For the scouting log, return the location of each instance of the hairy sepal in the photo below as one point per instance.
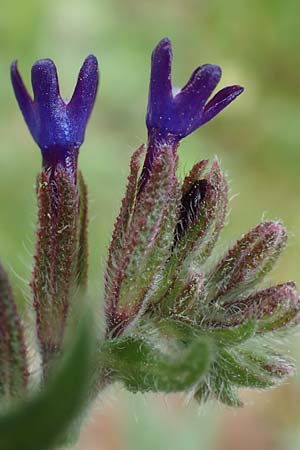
(120, 231)
(244, 370)
(55, 273)
(147, 242)
(182, 299)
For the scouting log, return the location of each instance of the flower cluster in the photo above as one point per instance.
(176, 320)
(183, 322)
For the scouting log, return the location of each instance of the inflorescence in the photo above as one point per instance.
(176, 320)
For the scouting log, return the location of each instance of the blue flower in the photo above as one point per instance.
(172, 117)
(56, 126)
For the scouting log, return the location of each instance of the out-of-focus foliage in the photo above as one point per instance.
(43, 420)
(257, 139)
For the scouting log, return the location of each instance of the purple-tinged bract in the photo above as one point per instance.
(179, 115)
(56, 126)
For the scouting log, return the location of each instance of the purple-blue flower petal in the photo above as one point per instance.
(57, 127)
(160, 89)
(180, 115)
(200, 86)
(222, 99)
(51, 126)
(81, 104)
(23, 98)
(44, 82)
(192, 98)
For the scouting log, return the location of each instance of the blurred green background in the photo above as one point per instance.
(256, 138)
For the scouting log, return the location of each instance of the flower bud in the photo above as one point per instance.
(146, 243)
(273, 308)
(203, 211)
(246, 263)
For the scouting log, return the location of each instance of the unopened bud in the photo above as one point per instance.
(145, 245)
(247, 262)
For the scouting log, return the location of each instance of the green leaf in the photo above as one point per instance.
(231, 336)
(225, 392)
(14, 373)
(203, 392)
(222, 337)
(172, 328)
(275, 365)
(38, 423)
(141, 367)
(238, 370)
(218, 388)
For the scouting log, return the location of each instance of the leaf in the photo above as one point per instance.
(142, 367)
(222, 337)
(226, 393)
(275, 365)
(14, 373)
(218, 388)
(239, 370)
(38, 423)
(231, 336)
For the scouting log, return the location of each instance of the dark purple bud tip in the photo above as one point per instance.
(180, 114)
(191, 203)
(56, 126)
